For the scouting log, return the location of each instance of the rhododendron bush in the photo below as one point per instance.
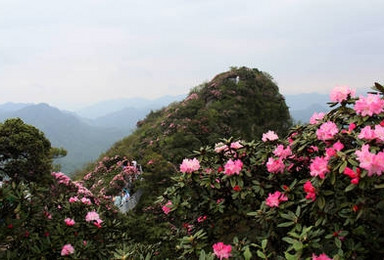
(317, 194)
(64, 219)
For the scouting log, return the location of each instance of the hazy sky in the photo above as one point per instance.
(75, 52)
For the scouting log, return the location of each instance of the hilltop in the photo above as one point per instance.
(242, 103)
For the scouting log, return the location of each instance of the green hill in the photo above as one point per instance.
(214, 110)
(242, 103)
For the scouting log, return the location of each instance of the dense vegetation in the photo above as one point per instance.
(311, 191)
(242, 103)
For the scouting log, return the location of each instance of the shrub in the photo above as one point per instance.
(319, 192)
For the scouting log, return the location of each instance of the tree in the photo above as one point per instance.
(25, 153)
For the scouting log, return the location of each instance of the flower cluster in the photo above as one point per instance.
(189, 166)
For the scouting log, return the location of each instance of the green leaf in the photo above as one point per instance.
(264, 243)
(337, 242)
(261, 254)
(298, 246)
(342, 167)
(320, 202)
(247, 254)
(289, 240)
(286, 224)
(288, 256)
(202, 255)
(350, 187)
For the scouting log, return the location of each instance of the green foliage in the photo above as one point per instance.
(32, 221)
(214, 110)
(342, 219)
(25, 153)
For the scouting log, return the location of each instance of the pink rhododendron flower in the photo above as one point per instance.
(319, 167)
(275, 165)
(233, 167)
(338, 146)
(369, 106)
(316, 117)
(269, 136)
(189, 166)
(61, 178)
(275, 198)
(351, 127)
(69, 222)
(91, 216)
(86, 201)
(367, 133)
(67, 250)
(373, 163)
(355, 176)
(329, 152)
(201, 218)
(379, 132)
(236, 145)
(327, 131)
(310, 190)
(282, 152)
(321, 257)
(97, 223)
(220, 147)
(341, 93)
(221, 250)
(167, 207)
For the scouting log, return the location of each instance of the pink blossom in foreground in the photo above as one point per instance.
(316, 117)
(321, 257)
(329, 152)
(201, 218)
(97, 223)
(67, 250)
(236, 145)
(275, 198)
(369, 106)
(189, 166)
(269, 136)
(319, 167)
(275, 165)
(351, 127)
(341, 93)
(310, 190)
(91, 216)
(338, 146)
(355, 176)
(367, 133)
(61, 178)
(73, 199)
(379, 132)
(86, 201)
(220, 147)
(221, 250)
(373, 163)
(282, 152)
(327, 131)
(233, 167)
(69, 222)
(167, 207)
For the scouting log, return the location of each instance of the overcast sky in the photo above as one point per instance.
(78, 52)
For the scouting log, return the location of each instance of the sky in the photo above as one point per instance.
(75, 53)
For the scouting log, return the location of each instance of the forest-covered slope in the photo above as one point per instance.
(242, 103)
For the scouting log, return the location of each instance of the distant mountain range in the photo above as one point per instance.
(302, 106)
(90, 131)
(84, 138)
